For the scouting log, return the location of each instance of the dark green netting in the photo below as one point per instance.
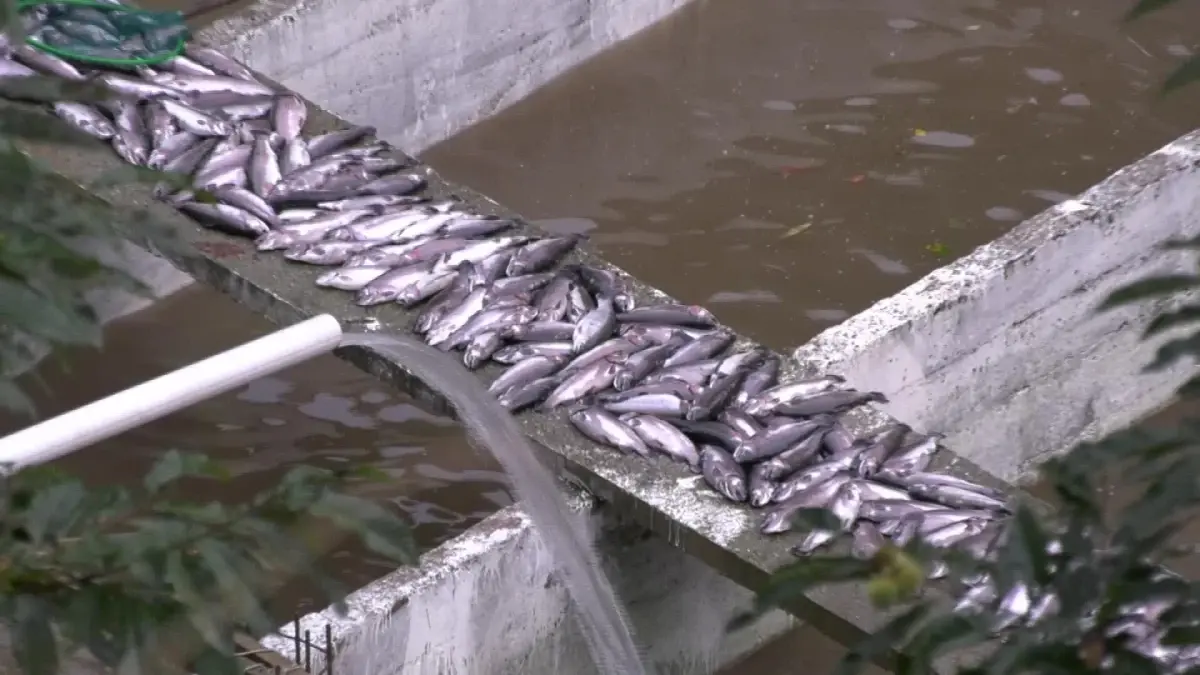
(103, 33)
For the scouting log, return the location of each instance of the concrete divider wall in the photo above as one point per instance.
(488, 602)
(1003, 349)
(421, 70)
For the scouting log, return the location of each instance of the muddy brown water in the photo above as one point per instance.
(785, 164)
(324, 413)
(789, 163)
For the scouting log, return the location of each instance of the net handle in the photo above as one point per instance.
(181, 42)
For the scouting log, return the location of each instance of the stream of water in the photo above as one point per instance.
(603, 621)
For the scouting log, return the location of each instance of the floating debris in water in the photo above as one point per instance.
(659, 380)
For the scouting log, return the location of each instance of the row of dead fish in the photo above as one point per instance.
(651, 380)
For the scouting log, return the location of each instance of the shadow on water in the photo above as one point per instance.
(818, 156)
(323, 412)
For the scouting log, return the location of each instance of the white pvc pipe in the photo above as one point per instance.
(169, 393)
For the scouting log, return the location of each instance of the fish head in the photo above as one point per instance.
(735, 488)
(372, 295)
(273, 241)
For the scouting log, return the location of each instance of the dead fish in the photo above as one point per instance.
(540, 255)
(225, 218)
(817, 473)
(517, 353)
(771, 399)
(701, 348)
(641, 363)
(894, 509)
(762, 378)
(351, 278)
(528, 370)
(603, 427)
(709, 432)
(913, 458)
(659, 435)
(715, 396)
(527, 395)
(661, 405)
(541, 331)
(780, 518)
(866, 541)
(327, 252)
(955, 496)
(494, 318)
(288, 116)
(885, 443)
(595, 326)
(832, 402)
(670, 315)
(797, 456)
(722, 473)
(582, 383)
(481, 347)
(771, 442)
(762, 486)
(335, 140)
(85, 118)
(605, 283)
(195, 121)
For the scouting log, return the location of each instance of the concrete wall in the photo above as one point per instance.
(1002, 349)
(487, 603)
(420, 70)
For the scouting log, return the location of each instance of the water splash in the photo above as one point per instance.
(601, 617)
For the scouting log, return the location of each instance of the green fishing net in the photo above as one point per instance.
(103, 33)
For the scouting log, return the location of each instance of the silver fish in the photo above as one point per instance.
(780, 518)
(768, 401)
(722, 473)
(351, 278)
(264, 166)
(289, 116)
(595, 326)
(85, 118)
(665, 438)
(602, 427)
(533, 368)
(195, 121)
(582, 383)
(228, 219)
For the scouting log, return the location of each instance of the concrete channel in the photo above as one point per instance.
(1000, 349)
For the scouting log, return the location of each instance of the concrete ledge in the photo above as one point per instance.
(488, 602)
(421, 70)
(1003, 350)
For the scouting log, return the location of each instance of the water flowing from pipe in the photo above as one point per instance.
(603, 621)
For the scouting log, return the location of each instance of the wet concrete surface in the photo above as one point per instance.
(322, 413)
(787, 164)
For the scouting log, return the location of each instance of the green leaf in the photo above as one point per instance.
(54, 510)
(33, 641)
(46, 89)
(1171, 352)
(940, 635)
(1152, 287)
(1186, 314)
(1144, 7)
(382, 531)
(883, 642)
(182, 582)
(235, 579)
(15, 400)
(1186, 73)
(175, 465)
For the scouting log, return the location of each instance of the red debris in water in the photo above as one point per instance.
(858, 178)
